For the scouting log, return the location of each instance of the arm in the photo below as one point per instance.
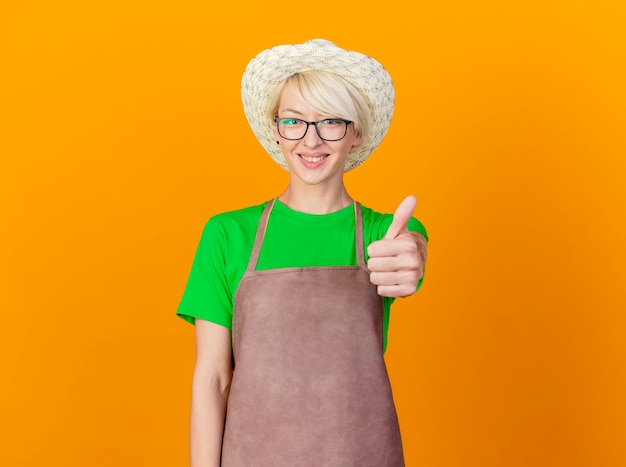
(210, 388)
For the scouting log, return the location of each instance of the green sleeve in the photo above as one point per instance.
(207, 295)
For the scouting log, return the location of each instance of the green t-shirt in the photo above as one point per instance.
(292, 239)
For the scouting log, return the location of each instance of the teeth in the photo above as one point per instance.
(313, 159)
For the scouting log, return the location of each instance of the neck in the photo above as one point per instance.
(315, 200)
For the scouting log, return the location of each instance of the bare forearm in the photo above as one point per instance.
(208, 411)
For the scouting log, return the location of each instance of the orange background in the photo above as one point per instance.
(122, 131)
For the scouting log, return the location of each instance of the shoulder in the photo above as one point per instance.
(375, 224)
(233, 222)
(375, 219)
(233, 229)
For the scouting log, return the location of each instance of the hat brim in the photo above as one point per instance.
(272, 66)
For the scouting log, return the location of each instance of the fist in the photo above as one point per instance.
(396, 264)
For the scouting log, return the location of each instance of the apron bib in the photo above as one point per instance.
(310, 386)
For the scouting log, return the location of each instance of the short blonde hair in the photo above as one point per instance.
(327, 94)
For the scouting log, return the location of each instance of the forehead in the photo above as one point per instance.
(291, 100)
(290, 94)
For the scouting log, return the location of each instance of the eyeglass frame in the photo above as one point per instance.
(317, 130)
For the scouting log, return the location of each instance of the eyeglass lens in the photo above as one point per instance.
(329, 129)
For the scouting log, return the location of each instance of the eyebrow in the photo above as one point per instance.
(292, 111)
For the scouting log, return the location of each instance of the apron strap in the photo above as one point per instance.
(260, 234)
(265, 216)
(358, 240)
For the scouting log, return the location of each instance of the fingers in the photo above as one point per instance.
(397, 270)
(395, 284)
(394, 263)
(394, 278)
(404, 244)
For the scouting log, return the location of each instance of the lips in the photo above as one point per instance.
(313, 160)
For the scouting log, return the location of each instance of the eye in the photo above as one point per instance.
(331, 122)
(290, 121)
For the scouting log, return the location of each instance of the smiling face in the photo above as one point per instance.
(312, 160)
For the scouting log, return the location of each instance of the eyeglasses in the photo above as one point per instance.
(329, 129)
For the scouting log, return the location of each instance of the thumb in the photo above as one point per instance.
(401, 218)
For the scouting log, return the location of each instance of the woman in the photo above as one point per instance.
(282, 292)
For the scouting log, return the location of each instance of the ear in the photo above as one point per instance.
(357, 140)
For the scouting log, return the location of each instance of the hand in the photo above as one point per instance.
(395, 264)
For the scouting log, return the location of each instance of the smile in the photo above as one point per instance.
(313, 159)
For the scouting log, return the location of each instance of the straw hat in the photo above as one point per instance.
(272, 66)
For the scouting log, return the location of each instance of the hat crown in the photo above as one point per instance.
(321, 42)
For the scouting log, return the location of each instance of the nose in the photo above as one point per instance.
(311, 138)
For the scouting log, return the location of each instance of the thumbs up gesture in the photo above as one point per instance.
(396, 262)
